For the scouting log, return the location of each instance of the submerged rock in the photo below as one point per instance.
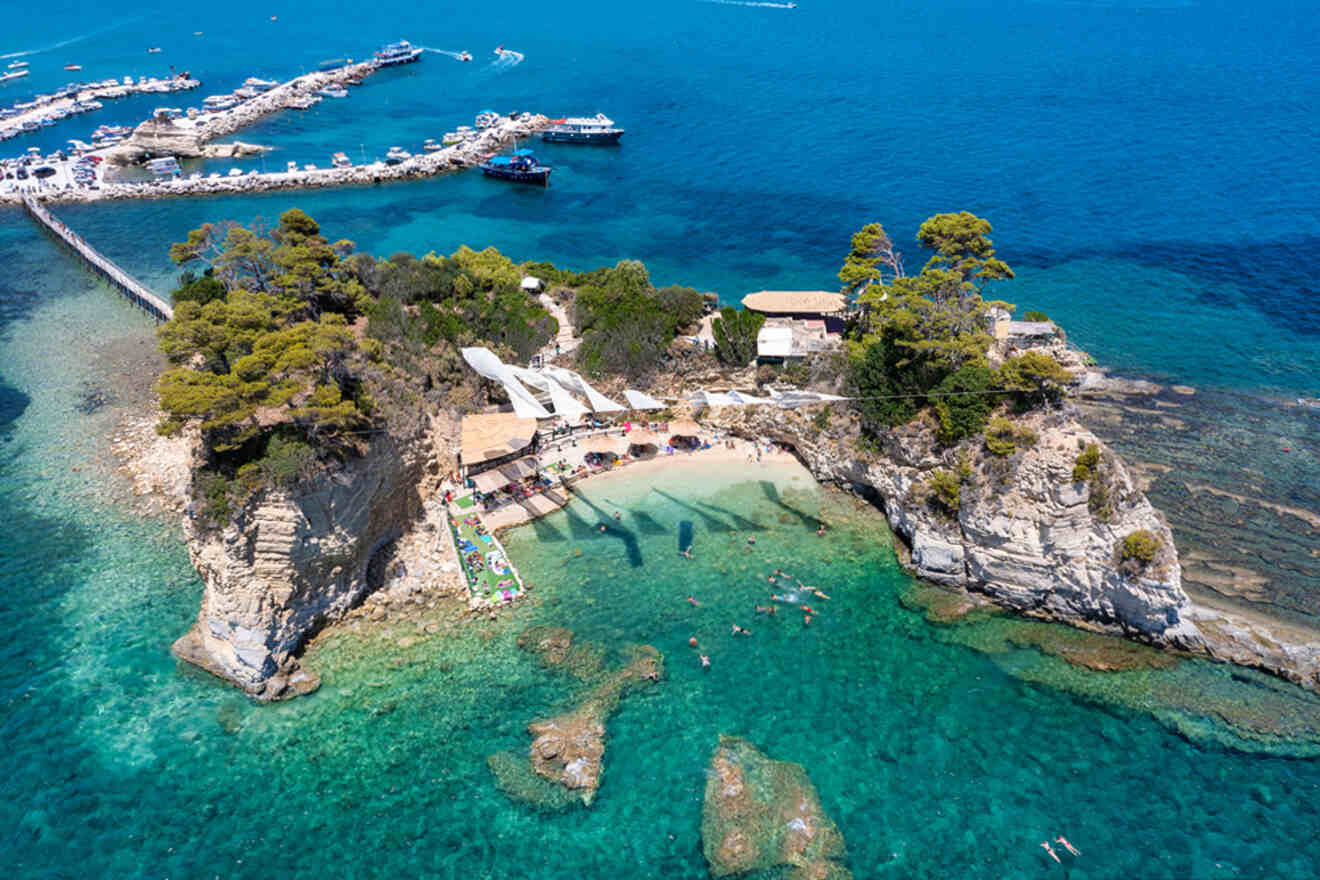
(761, 814)
(555, 648)
(568, 750)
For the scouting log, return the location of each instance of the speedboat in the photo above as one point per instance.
(73, 67)
(261, 85)
(292, 166)
(521, 166)
(153, 50)
(341, 160)
(465, 55)
(451, 138)
(15, 65)
(333, 92)
(235, 172)
(395, 155)
(431, 146)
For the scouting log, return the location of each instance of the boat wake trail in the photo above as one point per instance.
(70, 41)
(457, 56)
(750, 3)
(507, 58)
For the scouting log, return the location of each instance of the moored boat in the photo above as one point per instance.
(401, 52)
(341, 160)
(333, 92)
(598, 129)
(431, 146)
(521, 167)
(395, 155)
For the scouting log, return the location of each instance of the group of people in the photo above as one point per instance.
(790, 598)
(1063, 840)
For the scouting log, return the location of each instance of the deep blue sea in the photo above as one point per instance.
(1150, 170)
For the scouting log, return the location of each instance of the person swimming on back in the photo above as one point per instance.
(769, 609)
(739, 631)
(687, 551)
(705, 661)
(1049, 849)
(1072, 849)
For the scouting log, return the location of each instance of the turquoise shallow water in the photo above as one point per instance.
(1149, 170)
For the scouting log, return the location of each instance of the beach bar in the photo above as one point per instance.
(488, 440)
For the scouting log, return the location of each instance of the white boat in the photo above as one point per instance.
(15, 65)
(451, 138)
(153, 50)
(73, 67)
(465, 55)
(395, 155)
(431, 146)
(333, 92)
(309, 167)
(235, 172)
(16, 74)
(341, 160)
(247, 92)
(292, 166)
(261, 85)
(216, 103)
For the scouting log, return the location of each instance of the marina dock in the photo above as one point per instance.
(68, 104)
(127, 284)
(490, 140)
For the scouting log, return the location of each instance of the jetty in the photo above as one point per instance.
(484, 143)
(127, 284)
(77, 98)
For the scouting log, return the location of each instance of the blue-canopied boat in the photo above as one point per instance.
(521, 166)
(598, 129)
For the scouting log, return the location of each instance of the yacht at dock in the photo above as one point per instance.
(401, 52)
(598, 129)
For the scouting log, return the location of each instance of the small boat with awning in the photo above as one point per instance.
(521, 167)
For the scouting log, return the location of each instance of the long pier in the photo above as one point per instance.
(127, 284)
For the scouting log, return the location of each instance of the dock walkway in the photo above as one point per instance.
(127, 284)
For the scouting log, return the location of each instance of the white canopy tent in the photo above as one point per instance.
(640, 400)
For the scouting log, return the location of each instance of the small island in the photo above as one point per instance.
(326, 388)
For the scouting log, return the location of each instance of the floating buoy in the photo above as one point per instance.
(693, 641)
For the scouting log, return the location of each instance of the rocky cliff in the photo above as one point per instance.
(291, 562)
(1023, 534)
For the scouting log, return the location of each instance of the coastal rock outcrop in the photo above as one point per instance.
(292, 561)
(761, 814)
(566, 758)
(1025, 533)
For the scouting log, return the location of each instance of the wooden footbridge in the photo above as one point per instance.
(127, 284)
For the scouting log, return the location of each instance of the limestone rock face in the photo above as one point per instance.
(761, 814)
(294, 561)
(1024, 534)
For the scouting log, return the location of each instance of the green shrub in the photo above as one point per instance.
(1085, 466)
(944, 488)
(1035, 378)
(286, 461)
(1100, 501)
(1004, 436)
(1138, 550)
(967, 406)
(735, 335)
(822, 419)
(1035, 316)
(214, 491)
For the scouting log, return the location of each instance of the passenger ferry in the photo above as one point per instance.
(598, 129)
(521, 166)
(401, 52)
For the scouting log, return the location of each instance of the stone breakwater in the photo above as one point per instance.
(491, 140)
(68, 101)
(185, 137)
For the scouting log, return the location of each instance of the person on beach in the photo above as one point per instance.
(1049, 849)
(1072, 849)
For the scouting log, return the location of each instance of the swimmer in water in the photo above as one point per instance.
(806, 620)
(739, 631)
(618, 515)
(1072, 849)
(751, 539)
(705, 661)
(688, 552)
(692, 601)
(770, 609)
(602, 527)
(820, 532)
(1049, 849)
(817, 593)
